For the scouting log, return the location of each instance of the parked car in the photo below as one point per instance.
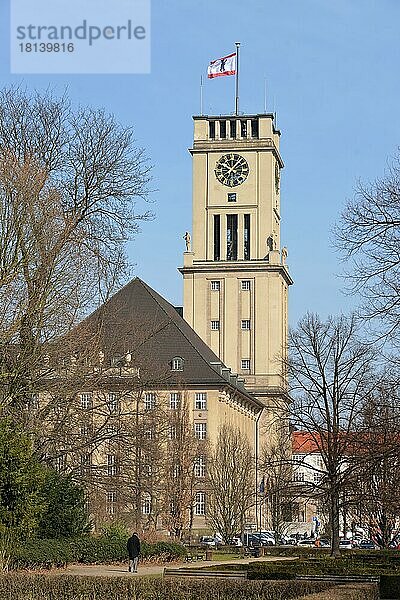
(237, 541)
(210, 541)
(345, 544)
(324, 543)
(258, 539)
(287, 540)
(368, 545)
(306, 542)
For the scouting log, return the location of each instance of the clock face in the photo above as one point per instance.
(231, 170)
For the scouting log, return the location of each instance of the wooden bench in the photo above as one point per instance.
(204, 573)
(341, 579)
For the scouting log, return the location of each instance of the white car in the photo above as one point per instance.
(345, 545)
(207, 540)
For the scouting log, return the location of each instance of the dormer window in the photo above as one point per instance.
(177, 364)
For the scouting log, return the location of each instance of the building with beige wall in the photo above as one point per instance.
(223, 360)
(235, 275)
(144, 399)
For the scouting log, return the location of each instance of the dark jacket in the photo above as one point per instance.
(133, 546)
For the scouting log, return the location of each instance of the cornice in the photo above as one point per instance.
(248, 266)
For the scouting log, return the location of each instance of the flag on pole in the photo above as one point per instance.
(222, 66)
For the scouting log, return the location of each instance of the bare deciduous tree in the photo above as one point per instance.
(368, 235)
(68, 184)
(276, 464)
(331, 379)
(230, 482)
(183, 455)
(376, 491)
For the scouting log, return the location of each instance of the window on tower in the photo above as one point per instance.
(233, 129)
(231, 237)
(217, 237)
(254, 128)
(243, 129)
(246, 235)
(222, 129)
(212, 130)
(232, 197)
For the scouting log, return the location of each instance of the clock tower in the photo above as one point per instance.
(235, 275)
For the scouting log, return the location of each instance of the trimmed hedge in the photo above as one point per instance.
(46, 554)
(322, 565)
(387, 567)
(66, 587)
(358, 592)
(390, 586)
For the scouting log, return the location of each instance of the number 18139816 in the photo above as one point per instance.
(46, 47)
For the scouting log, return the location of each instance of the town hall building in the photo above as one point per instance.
(154, 388)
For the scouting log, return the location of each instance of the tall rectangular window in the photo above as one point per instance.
(200, 504)
(86, 461)
(200, 430)
(246, 236)
(254, 128)
(112, 402)
(149, 400)
(146, 504)
(233, 129)
(174, 400)
(111, 502)
(86, 401)
(212, 130)
(200, 466)
(243, 128)
(85, 429)
(149, 434)
(201, 401)
(231, 237)
(61, 463)
(217, 237)
(222, 129)
(111, 465)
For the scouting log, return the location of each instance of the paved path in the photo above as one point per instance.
(122, 569)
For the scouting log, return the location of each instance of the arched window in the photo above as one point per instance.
(177, 364)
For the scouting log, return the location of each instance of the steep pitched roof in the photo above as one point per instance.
(140, 321)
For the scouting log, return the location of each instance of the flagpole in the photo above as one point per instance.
(237, 79)
(201, 95)
(265, 95)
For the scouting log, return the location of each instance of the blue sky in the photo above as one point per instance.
(332, 71)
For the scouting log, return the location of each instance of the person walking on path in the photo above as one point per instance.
(133, 546)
